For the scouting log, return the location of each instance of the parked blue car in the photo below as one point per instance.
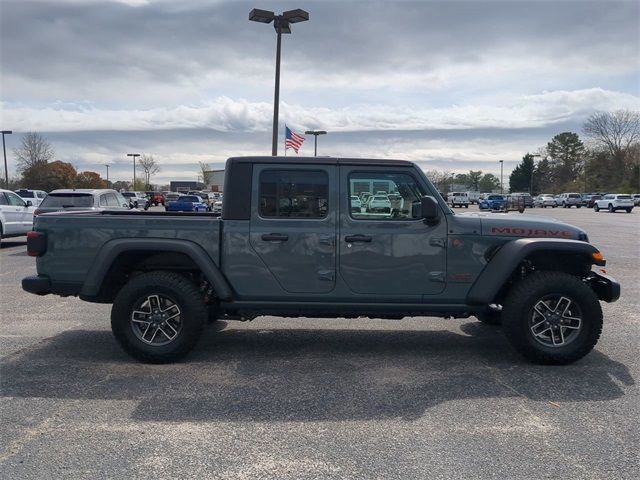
(187, 203)
(493, 202)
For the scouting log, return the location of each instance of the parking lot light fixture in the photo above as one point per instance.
(134, 155)
(281, 24)
(4, 151)
(315, 133)
(501, 169)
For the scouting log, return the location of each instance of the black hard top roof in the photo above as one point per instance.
(319, 161)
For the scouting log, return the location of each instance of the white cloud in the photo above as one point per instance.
(231, 115)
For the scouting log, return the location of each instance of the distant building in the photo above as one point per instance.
(180, 186)
(215, 180)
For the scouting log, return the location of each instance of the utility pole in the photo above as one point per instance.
(4, 151)
(501, 184)
(134, 155)
(106, 165)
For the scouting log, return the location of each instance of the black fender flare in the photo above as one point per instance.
(504, 262)
(111, 249)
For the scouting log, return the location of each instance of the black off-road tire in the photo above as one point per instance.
(182, 293)
(596, 208)
(611, 209)
(518, 309)
(490, 317)
(628, 210)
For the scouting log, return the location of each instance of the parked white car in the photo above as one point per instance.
(16, 215)
(356, 204)
(379, 203)
(613, 202)
(217, 206)
(33, 196)
(458, 199)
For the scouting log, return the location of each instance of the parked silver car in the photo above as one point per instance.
(82, 199)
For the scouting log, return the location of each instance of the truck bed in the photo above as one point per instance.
(75, 239)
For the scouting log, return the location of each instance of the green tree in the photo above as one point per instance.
(474, 179)
(566, 155)
(542, 178)
(488, 183)
(520, 178)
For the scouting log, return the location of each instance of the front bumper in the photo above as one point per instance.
(605, 287)
(37, 284)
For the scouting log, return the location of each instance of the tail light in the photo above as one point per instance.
(36, 243)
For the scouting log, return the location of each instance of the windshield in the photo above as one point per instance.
(186, 198)
(128, 194)
(624, 197)
(25, 194)
(495, 197)
(67, 200)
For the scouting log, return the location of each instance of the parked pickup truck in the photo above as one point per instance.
(186, 203)
(290, 244)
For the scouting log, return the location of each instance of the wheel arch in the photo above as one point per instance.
(118, 257)
(571, 256)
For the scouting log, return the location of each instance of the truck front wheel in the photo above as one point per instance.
(158, 317)
(552, 318)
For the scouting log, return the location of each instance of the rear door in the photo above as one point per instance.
(293, 225)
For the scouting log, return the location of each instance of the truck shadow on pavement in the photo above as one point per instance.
(306, 375)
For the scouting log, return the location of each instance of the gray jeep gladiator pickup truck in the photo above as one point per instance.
(295, 240)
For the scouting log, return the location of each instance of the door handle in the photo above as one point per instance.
(357, 239)
(275, 237)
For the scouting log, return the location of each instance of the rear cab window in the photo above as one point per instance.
(67, 200)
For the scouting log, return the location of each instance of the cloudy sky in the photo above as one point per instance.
(452, 85)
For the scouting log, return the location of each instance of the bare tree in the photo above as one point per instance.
(204, 172)
(616, 131)
(150, 167)
(34, 151)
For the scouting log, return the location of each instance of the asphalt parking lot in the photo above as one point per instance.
(306, 398)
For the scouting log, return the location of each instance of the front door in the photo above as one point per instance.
(19, 218)
(293, 225)
(385, 248)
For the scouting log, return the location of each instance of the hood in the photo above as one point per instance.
(525, 226)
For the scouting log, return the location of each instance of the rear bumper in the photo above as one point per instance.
(606, 287)
(37, 284)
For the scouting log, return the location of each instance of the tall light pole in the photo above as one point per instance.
(107, 165)
(4, 151)
(501, 184)
(315, 133)
(134, 155)
(281, 23)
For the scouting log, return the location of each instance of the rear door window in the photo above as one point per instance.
(294, 194)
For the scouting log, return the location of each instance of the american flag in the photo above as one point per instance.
(292, 139)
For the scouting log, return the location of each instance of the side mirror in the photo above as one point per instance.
(429, 209)
(29, 204)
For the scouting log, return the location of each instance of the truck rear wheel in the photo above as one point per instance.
(552, 318)
(158, 317)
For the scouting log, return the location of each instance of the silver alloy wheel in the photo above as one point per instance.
(555, 321)
(156, 320)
